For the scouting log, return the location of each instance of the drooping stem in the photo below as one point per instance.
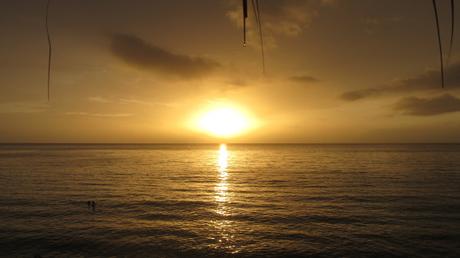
(245, 16)
(439, 42)
(452, 29)
(255, 7)
(49, 46)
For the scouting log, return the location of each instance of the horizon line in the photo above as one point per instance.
(217, 143)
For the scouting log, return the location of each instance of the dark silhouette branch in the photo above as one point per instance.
(435, 9)
(49, 46)
(452, 29)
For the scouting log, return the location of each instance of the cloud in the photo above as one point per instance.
(279, 18)
(237, 83)
(98, 114)
(381, 20)
(360, 94)
(304, 79)
(374, 23)
(147, 103)
(429, 80)
(329, 2)
(428, 107)
(135, 51)
(125, 101)
(99, 99)
(22, 107)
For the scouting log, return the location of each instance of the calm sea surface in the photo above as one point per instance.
(234, 200)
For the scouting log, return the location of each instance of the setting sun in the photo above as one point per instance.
(223, 122)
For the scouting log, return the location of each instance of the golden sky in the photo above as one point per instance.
(143, 71)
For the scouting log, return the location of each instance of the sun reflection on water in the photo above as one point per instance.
(223, 158)
(222, 185)
(223, 226)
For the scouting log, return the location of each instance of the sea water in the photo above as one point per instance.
(229, 200)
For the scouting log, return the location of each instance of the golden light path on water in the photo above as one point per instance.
(223, 226)
(222, 186)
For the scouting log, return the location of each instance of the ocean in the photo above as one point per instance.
(230, 200)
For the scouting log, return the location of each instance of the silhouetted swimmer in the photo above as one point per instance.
(93, 205)
(89, 204)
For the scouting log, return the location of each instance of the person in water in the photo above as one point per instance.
(93, 205)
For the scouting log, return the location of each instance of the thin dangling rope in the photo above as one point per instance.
(245, 16)
(255, 7)
(49, 46)
(439, 42)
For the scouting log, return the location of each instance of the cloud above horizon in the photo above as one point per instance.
(303, 79)
(428, 80)
(141, 54)
(23, 107)
(428, 106)
(125, 101)
(373, 24)
(279, 18)
(108, 115)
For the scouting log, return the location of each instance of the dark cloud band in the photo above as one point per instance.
(428, 106)
(428, 80)
(141, 54)
(304, 79)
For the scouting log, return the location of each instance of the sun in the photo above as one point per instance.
(223, 122)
